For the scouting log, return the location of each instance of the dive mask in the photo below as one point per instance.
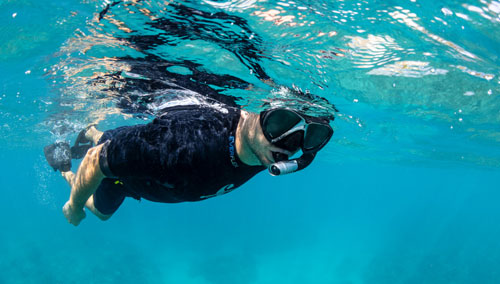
(293, 131)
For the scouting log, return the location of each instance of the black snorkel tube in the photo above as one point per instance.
(290, 166)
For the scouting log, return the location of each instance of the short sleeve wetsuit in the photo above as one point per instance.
(187, 154)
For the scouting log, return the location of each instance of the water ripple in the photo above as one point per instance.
(410, 69)
(418, 64)
(373, 50)
(232, 5)
(410, 19)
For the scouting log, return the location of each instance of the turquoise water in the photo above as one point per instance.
(406, 191)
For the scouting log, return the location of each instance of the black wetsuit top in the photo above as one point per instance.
(187, 154)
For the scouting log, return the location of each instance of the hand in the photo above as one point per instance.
(74, 216)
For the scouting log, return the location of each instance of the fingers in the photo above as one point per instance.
(279, 150)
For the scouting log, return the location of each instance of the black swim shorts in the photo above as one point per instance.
(109, 196)
(111, 192)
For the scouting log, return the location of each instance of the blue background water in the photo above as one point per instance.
(406, 192)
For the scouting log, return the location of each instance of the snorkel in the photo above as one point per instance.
(290, 166)
(289, 130)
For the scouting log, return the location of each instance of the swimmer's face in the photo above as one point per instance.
(255, 146)
(263, 149)
(266, 150)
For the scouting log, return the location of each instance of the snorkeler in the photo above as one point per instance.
(190, 153)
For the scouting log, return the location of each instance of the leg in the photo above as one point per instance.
(69, 177)
(108, 197)
(92, 134)
(83, 185)
(87, 138)
(90, 205)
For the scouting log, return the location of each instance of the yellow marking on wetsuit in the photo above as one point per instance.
(118, 182)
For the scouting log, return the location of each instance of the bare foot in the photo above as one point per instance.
(73, 216)
(93, 134)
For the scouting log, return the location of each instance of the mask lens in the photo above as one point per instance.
(292, 142)
(317, 134)
(279, 122)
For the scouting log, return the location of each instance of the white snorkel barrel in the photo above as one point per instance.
(290, 166)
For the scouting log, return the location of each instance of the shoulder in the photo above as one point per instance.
(195, 112)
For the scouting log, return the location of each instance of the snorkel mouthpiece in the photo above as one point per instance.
(282, 168)
(279, 157)
(290, 166)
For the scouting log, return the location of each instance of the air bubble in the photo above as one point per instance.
(446, 12)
